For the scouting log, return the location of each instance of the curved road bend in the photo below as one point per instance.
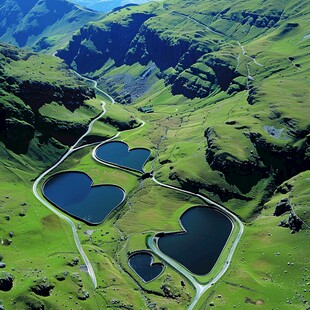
(72, 149)
(95, 86)
(200, 288)
(35, 190)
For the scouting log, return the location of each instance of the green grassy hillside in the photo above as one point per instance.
(236, 72)
(228, 83)
(44, 108)
(229, 87)
(30, 83)
(42, 25)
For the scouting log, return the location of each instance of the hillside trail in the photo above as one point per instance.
(75, 147)
(72, 149)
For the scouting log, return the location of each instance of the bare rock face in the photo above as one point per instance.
(6, 281)
(294, 222)
(137, 39)
(37, 93)
(196, 187)
(82, 294)
(286, 161)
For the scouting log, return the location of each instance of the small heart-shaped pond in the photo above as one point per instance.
(205, 233)
(142, 264)
(74, 193)
(118, 153)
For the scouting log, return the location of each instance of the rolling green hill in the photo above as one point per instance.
(44, 108)
(29, 83)
(41, 24)
(242, 68)
(228, 87)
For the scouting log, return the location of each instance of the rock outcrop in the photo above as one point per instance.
(93, 46)
(197, 187)
(6, 281)
(137, 39)
(285, 161)
(282, 206)
(43, 287)
(293, 222)
(244, 173)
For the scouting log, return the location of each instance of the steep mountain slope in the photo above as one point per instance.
(106, 5)
(41, 24)
(229, 86)
(29, 83)
(44, 108)
(209, 52)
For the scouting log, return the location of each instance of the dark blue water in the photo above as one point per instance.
(141, 263)
(117, 153)
(199, 248)
(73, 193)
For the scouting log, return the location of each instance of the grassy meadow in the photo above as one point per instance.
(270, 269)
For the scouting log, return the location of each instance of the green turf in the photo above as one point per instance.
(270, 267)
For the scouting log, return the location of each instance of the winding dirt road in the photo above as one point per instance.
(72, 149)
(152, 242)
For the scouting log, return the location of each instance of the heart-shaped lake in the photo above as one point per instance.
(205, 233)
(142, 264)
(74, 193)
(118, 153)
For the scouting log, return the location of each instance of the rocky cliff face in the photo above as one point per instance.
(159, 35)
(93, 46)
(203, 75)
(138, 39)
(286, 161)
(224, 194)
(149, 45)
(37, 93)
(243, 173)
